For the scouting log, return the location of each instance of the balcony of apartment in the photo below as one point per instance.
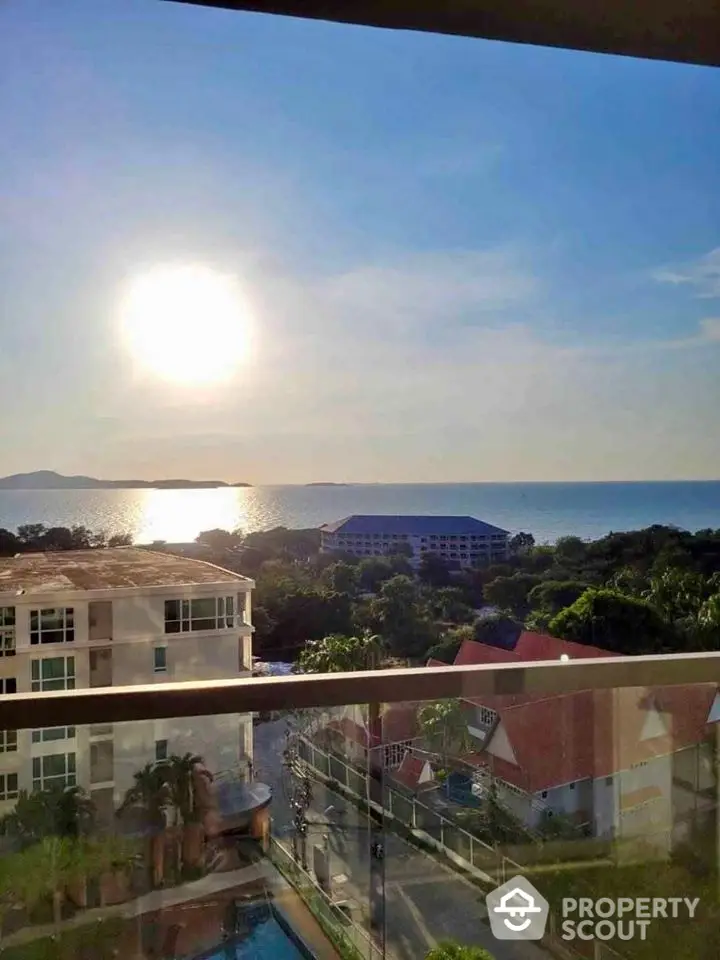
(364, 821)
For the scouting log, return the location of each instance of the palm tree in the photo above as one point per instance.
(150, 795)
(179, 773)
(56, 811)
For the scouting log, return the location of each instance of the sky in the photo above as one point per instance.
(460, 260)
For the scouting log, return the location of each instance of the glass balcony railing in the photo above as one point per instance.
(368, 815)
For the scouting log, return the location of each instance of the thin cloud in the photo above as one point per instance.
(702, 275)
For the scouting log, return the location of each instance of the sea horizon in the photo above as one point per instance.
(547, 509)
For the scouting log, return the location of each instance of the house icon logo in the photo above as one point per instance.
(517, 911)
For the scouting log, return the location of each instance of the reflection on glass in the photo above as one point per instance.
(369, 830)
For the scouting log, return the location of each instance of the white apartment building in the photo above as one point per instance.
(462, 541)
(116, 617)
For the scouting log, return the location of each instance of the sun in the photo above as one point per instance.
(188, 324)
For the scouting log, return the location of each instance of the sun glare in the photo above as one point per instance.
(188, 324)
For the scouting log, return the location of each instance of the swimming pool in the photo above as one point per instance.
(267, 940)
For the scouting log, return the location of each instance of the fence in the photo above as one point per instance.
(348, 937)
(458, 844)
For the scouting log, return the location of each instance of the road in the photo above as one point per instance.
(425, 901)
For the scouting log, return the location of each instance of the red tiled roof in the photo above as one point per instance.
(398, 722)
(530, 646)
(410, 771)
(349, 730)
(472, 654)
(591, 734)
(559, 739)
(540, 646)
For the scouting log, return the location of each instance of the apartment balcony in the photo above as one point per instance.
(356, 824)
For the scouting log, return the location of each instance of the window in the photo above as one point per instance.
(8, 685)
(394, 753)
(53, 733)
(544, 794)
(160, 660)
(54, 769)
(572, 786)
(8, 786)
(7, 631)
(53, 673)
(203, 613)
(161, 750)
(608, 781)
(8, 741)
(52, 625)
(486, 717)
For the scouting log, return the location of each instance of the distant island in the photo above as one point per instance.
(326, 483)
(50, 480)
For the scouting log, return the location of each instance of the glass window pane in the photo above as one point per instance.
(205, 607)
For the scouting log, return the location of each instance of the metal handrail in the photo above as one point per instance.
(167, 700)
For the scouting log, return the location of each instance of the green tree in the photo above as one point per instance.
(497, 630)
(570, 550)
(375, 571)
(178, 772)
(341, 577)
(296, 612)
(512, 593)
(219, 539)
(677, 594)
(444, 725)
(149, 796)
(446, 649)
(451, 950)
(521, 542)
(434, 570)
(552, 596)
(610, 620)
(709, 613)
(58, 811)
(399, 613)
(337, 654)
(448, 603)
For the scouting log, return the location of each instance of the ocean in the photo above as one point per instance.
(547, 510)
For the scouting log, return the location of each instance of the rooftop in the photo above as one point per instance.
(414, 525)
(112, 568)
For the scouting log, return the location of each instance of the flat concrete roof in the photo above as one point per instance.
(111, 568)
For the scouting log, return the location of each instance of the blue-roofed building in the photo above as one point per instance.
(462, 541)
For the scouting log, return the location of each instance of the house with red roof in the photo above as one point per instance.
(414, 773)
(383, 744)
(621, 762)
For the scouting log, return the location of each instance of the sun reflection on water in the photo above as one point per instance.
(177, 516)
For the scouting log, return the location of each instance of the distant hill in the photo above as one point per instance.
(50, 480)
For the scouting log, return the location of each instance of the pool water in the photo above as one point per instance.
(268, 941)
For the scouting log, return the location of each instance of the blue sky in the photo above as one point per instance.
(465, 260)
